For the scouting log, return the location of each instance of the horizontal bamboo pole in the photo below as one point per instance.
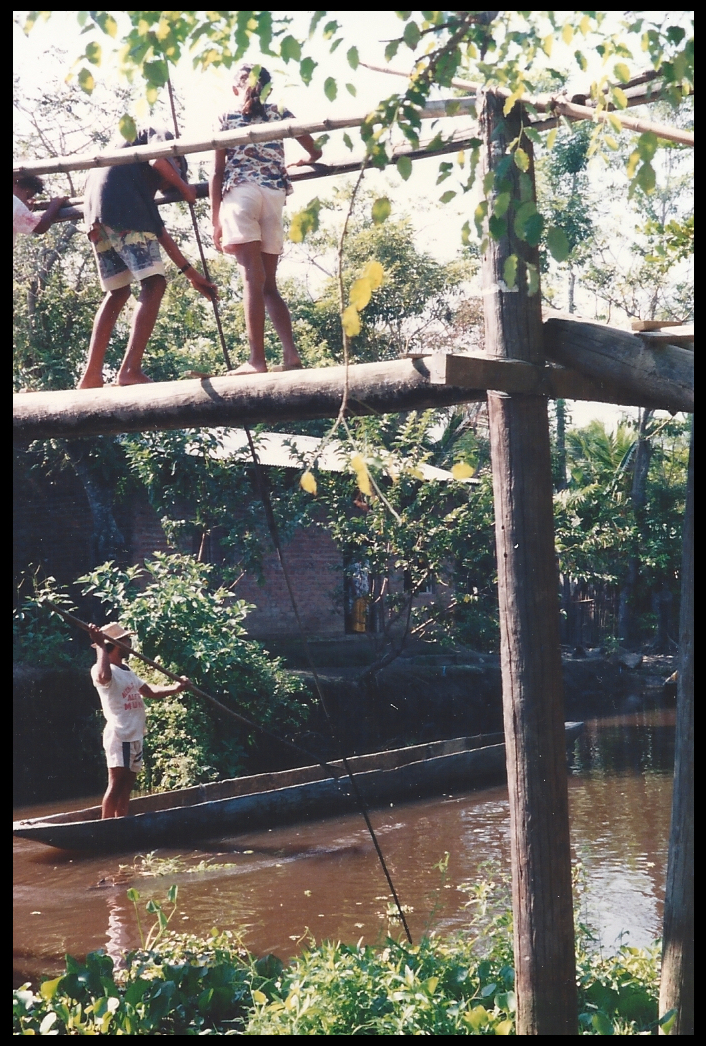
(74, 209)
(637, 95)
(264, 132)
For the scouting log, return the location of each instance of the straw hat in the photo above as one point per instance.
(115, 631)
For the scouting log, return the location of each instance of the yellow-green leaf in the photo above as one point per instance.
(381, 210)
(258, 996)
(374, 272)
(126, 126)
(361, 474)
(404, 167)
(361, 290)
(551, 137)
(619, 97)
(557, 243)
(632, 163)
(48, 989)
(504, 1027)
(85, 79)
(462, 471)
(567, 33)
(521, 159)
(510, 271)
(615, 122)
(510, 101)
(622, 72)
(547, 44)
(307, 483)
(611, 142)
(532, 280)
(585, 25)
(94, 53)
(350, 321)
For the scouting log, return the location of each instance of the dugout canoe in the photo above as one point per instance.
(265, 800)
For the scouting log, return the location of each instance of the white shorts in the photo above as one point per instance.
(126, 754)
(251, 212)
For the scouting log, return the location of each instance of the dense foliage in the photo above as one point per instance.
(179, 984)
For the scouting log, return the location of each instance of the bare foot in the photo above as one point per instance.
(132, 378)
(90, 383)
(293, 364)
(248, 368)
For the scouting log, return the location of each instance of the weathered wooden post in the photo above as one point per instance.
(529, 619)
(677, 983)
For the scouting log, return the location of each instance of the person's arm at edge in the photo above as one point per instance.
(156, 692)
(166, 170)
(49, 216)
(215, 190)
(315, 153)
(199, 282)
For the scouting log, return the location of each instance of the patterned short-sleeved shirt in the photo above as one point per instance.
(261, 162)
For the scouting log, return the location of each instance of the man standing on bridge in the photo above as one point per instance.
(125, 229)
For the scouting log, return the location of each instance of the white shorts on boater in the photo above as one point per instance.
(125, 754)
(251, 212)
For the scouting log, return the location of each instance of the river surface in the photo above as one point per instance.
(323, 879)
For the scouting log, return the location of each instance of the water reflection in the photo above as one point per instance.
(323, 878)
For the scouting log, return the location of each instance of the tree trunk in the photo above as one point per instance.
(108, 541)
(529, 629)
(677, 985)
(641, 464)
(560, 479)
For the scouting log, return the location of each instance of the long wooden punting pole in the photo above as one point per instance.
(263, 132)
(375, 388)
(677, 982)
(533, 709)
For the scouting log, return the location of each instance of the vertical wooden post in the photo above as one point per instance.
(529, 622)
(677, 983)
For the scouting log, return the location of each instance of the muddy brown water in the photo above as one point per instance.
(322, 878)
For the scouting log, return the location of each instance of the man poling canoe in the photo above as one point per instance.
(121, 640)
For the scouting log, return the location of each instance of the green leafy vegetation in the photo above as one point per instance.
(178, 984)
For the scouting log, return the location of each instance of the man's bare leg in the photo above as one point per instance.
(103, 325)
(278, 311)
(250, 259)
(116, 800)
(143, 321)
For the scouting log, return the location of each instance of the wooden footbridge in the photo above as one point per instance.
(529, 358)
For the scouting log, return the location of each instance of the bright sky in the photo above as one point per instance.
(39, 57)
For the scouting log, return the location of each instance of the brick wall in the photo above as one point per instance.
(53, 529)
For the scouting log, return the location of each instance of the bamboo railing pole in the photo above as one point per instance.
(266, 132)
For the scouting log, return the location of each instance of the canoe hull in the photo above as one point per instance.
(274, 806)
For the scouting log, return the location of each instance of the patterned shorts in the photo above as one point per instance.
(124, 256)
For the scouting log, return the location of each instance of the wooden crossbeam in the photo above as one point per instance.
(657, 376)
(597, 363)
